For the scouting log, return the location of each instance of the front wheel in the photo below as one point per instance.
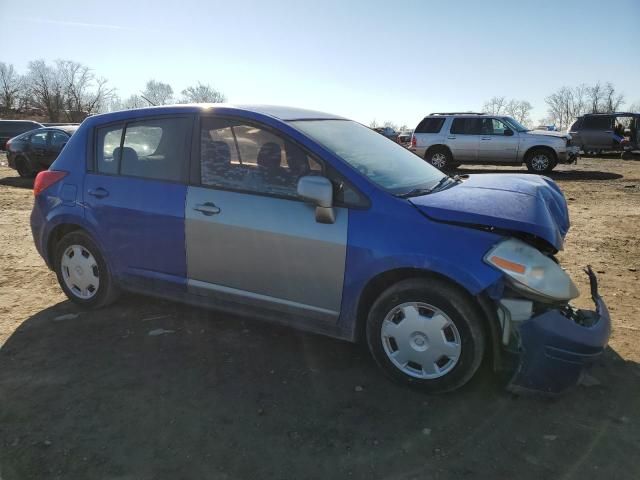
(82, 271)
(426, 334)
(540, 160)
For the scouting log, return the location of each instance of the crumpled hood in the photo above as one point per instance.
(530, 204)
(549, 133)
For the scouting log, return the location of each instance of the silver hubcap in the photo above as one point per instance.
(540, 162)
(439, 160)
(421, 340)
(80, 271)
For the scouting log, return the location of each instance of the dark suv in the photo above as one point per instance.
(597, 132)
(12, 128)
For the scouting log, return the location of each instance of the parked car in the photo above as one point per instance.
(315, 221)
(36, 150)
(404, 138)
(447, 140)
(597, 132)
(12, 128)
(388, 132)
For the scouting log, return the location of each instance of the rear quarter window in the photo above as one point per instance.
(430, 125)
(597, 123)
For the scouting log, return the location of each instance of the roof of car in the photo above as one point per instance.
(65, 128)
(279, 112)
(20, 121)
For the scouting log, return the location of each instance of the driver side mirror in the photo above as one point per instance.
(508, 132)
(318, 191)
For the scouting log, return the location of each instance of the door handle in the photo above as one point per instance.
(207, 209)
(451, 137)
(486, 138)
(98, 192)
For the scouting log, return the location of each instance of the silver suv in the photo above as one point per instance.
(447, 140)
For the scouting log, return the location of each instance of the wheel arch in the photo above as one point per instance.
(438, 146)
(379, 283)
(530, 150)
(56, 235)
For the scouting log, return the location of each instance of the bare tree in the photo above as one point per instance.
(390, 124)
(567, 103)
(520, 110)
(84, 94)
(11, 85)
(495, 106)
(157, 93)
(202, 94)
(373, 124)
(635, 107)
(612, 100)
(134, 101)
(45, 89)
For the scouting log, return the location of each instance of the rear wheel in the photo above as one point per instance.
(540, 160)
(23, 168)
(426, 334)
(82, 271)
(440, 158)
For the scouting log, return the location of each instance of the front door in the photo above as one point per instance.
(135, 197)
(250, 240)
(494, 146)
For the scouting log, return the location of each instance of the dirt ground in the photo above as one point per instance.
(94, 396)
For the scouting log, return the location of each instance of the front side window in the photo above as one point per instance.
(385, 163)
(245, 157)
(492, 126)
(58, 139)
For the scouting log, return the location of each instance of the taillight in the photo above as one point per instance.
(413, 140)
(45, 179)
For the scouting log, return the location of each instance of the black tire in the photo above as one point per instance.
(541, 161)
(23, 168)
(440, 158)
(457, 305)
(107, 291)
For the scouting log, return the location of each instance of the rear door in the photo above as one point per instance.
(250, 240)
(463, 138)
(597, 132)
(135, 196)
(494, 146)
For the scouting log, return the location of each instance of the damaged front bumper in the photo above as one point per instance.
(557, 345)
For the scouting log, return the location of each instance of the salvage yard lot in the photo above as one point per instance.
(151, 389)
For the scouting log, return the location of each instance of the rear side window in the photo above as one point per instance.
(39, 139)
(430, 125)
(108, 140)
(597, 123)
(575, 127)
(466, 126)
(154, 148)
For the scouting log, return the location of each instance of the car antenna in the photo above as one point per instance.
(150, 102)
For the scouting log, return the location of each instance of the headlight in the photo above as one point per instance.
(532, 273)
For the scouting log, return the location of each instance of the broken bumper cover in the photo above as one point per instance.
(556, 349)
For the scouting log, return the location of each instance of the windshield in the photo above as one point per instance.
(518, 127)
(384, 162)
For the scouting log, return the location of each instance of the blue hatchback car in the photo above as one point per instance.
(315, 221)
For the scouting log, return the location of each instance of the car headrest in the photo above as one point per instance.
(269, 155)
(128, 154)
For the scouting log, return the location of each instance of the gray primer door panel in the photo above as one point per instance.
(265, 251)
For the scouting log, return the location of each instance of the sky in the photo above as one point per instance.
(365, 60)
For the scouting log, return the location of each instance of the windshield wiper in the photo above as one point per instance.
(425, 191)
